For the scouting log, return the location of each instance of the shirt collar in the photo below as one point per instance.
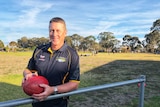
(63, 48)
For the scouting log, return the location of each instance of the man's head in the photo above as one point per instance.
(57, 32)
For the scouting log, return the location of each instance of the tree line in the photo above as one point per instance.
(105, 42)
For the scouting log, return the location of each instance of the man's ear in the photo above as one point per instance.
(65, 33)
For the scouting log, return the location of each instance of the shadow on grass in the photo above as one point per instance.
(11, 92)
(119, 70)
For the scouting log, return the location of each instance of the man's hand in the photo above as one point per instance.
(27, 74)
(48, 90)
(30, 75)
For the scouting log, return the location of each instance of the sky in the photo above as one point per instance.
(30, 18)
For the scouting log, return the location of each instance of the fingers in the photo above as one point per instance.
(42, 96)
(30, 75)
(43, 86)
(35, 74)
(48, 90)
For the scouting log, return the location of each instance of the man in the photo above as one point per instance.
(57, 62)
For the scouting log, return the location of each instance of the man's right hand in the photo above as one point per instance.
(27, 74)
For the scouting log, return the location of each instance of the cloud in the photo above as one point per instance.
(30, 13)
(25, 20)
(30, 17)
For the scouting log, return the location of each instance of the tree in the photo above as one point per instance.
(133, 42)
(43, 40)
(13, 45)
(1, 44)
(23, 42)
(153, 40)
(38, 41)
(76, 40)
(156, 25)
(31, 43)
(91, 42)
(88, 43)
(68, 40)
(106, 40)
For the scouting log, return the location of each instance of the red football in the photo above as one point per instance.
(31, 85)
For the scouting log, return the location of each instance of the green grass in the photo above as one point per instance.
(95, 70)
(151, 102)
(14, 79)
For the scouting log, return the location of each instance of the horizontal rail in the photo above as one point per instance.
(22, 101)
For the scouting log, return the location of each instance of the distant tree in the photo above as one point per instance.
(107, 40)
(1, 44)
(43, 40)
(97, 46)
(126, 40)
(7, 48)
(76, 40)
(68, 40)
(31, 43)
(152, 40)
(83, 45)
(23, 42)
(116, 43)
(39, 41)
(133, 42)
(156, 25)
(91, 40)
(88, 43)
(13, 46)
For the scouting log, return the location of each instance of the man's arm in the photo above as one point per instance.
(69, 86)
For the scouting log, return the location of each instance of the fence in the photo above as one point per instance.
(141, 80)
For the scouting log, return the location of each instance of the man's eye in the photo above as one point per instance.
(51, 30)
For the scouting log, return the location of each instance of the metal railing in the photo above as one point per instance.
(141, 80)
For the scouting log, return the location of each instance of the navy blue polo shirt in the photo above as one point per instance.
(58, 67)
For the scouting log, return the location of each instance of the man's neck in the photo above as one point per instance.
(56, 47)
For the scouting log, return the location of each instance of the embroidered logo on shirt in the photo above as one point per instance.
(61, 59)
(42, 58)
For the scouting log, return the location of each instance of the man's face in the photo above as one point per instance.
(57, 33)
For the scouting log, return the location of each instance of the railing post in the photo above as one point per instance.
(142, 87)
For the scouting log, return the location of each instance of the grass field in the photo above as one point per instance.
(95, 70)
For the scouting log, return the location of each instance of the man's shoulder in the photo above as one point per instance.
(43, 46)
(70, 49)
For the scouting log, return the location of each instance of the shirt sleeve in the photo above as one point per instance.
(74, 72)
(31, 63)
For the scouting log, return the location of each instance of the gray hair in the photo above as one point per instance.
(59, 20)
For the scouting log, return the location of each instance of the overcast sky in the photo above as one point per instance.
(30, 18)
